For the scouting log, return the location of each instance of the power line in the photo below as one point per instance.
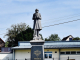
(55, 24)
(61, 23)
(59, 20)
(64, 16)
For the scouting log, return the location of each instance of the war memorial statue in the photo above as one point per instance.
(37, 25)
(37, 44)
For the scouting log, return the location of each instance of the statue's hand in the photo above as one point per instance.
(38, 18)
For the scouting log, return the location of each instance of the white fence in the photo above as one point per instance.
(5, 56)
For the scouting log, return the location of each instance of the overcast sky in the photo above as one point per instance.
(52, 12)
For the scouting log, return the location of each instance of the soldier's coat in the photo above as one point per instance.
(37, 21)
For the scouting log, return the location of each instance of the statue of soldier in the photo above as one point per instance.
(37, 23)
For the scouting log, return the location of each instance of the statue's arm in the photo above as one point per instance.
(39, 16)
(33, 18)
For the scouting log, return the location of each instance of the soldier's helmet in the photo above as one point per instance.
(36, 10)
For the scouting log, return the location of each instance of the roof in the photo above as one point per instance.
(49, 46)
(22, 47)
(61, 46)
(53, 45)
(67, 37)
(2, 40)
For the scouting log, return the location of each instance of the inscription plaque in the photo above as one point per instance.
(37, 53)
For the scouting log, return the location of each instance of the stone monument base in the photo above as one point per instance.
(37, 49)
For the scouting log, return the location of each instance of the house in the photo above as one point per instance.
(57, 50)
(2, 44)
(6, 53)
(68, 38)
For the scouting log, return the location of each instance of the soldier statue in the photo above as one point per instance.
(37, 24)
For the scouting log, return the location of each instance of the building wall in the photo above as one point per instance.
(71, 56)
(26, 53)
(65, 57)
(54, 55)
(5, 56)
(75, 49)
(22, 54)
(2, 44)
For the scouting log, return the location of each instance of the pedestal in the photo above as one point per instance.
(37, 49)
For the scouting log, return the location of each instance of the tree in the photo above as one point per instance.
(76, 38)
(14, 31)
(26, 35)
(41, 36)
(53, 37)
(6, 44)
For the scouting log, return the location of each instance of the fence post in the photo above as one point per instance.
(16, 59)
(53, 58)
(68, 57)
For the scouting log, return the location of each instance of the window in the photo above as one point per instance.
(73, 52)
(70, 52)
(78, 52)
(48, 55)
(71, 59)
(67, 52)
(70, 38)
(62, 52)
(47, 52)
